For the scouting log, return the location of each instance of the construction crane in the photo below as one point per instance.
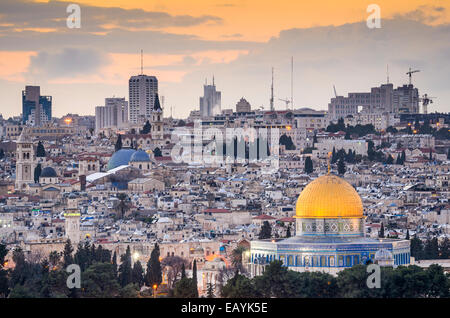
(335, 94)
(410, 73)
(287, 101)
(426, 100)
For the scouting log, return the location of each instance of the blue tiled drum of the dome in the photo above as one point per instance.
(140, 156)
(120, 158)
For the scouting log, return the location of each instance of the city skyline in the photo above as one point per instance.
(183, 45)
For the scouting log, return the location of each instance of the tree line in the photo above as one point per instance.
(101, 276)
(279, 282)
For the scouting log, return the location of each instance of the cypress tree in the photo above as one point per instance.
(194, 277)
(183, 271)
(308, 165)
(125, 271)
(154, 274)
(341, 167)
(118, 143)
(381, 233)
(266, 231)
(147, 127)
(67, 253)
(40, 150)
(138, 274)
(37, 173)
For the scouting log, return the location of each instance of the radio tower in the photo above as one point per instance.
(271, 94)
(292, 82)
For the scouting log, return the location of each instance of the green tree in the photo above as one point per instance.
(239, 287)
(147, 127)
(444, 249)
(351, 283)
(138, 274)
(185, 288)
(347, 136)
(341, 167)
(114, 262)
(118, 145)
(67, 254)
(308, 165)
(431, 249)
(381, 232)
(236, 256)
(194, 277)
(389, 160)
(287, 142)
(154, 274)
(157, 152)
(266, 231)
(40, 150)
(37, 173)
(99, 281)
(129, 291)
(183, 271)
(4, 289)
(125, 270)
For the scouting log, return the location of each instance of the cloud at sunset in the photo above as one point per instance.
(225, 39)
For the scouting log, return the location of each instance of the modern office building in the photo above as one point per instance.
(210, 103)
(113, 115)
(36, 109)
(142, 96)
(403, 99)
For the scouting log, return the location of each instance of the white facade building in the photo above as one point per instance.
(142, 91)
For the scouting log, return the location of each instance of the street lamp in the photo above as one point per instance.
(154, 290)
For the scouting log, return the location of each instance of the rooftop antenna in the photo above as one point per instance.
(142, 62)
(213, 79)
(292, 82)
(271, 94)
(387, 73)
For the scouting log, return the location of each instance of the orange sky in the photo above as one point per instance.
(181, 73)
(258, 20)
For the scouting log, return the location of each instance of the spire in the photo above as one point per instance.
(213, 79)
(157, 105)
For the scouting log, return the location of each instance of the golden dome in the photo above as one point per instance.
(329, 197)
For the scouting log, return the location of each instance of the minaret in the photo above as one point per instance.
(72, 224)
(26, 161)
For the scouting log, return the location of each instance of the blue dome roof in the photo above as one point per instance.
(140, 156)
(120, 158)
(48, 172)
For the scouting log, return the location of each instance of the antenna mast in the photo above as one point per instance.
(271, 95)
(142, 62)
(387, 73)
(292, 82)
